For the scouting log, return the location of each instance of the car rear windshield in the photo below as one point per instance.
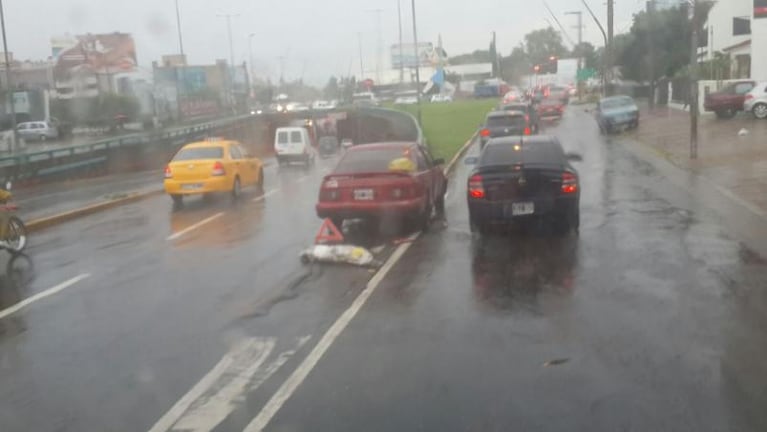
(550, 102)
(617, 103)
(199, 153)
(522, 108)
(529, 152)
(506, 121)
(369, 160)
(282, 137)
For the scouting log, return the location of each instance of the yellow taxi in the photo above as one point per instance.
(215, 165)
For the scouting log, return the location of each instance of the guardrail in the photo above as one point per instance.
(47, 163)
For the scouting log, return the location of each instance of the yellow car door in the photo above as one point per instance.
(238, 165)
(253, 165)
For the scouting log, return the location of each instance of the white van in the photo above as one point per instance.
(293, 144)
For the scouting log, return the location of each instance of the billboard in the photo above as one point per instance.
(98, 53)
(406, 55)
(760, 8)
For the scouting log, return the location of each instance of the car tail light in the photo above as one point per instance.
(218, 169)
(528, 131)
(330, 195)
(749, 96)
(168, 173)
(569, 183)
(485, 132)
(476, 189)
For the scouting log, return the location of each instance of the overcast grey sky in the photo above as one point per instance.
(318, 38)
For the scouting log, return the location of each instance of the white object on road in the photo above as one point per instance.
(743, 132)
(341, 254)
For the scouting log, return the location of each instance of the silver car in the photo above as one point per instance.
(37, 131)
(756, 101)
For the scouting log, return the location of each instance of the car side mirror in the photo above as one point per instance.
(439, 161)
(574, 157)
(471, 160)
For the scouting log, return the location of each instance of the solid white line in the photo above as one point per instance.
(266, 194)
(225, 365)
(297, 377)
(41, 295)
(195, 226)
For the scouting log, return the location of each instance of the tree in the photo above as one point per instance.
(478, 56)
(541, 44)
(588, 53)
(331, 89)
(516, 65)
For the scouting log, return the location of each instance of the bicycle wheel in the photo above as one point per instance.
(17, 235)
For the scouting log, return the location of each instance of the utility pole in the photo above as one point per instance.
(8, 80)
(417, 62)
(401, 59)
(693, 97)
(604, 57)
(362, 65)
(651, 37)
(609, 48)
(178, 28)
(228, 18)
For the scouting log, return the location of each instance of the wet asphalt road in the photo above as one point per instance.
(654, 317)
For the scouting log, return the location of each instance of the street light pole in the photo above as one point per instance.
(607, 41)
(693, 97)
(417, 62)
(250, 60)
(580, 57)
(8, 81)
(178, 28)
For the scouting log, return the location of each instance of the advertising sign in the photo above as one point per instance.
(760, 8)
(100, 53)
(406, 56)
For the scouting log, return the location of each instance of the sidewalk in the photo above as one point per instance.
(736, 164)
(50, 199)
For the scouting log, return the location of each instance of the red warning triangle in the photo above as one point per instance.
(329, 233)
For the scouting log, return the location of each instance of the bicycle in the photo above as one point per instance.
(13, 233)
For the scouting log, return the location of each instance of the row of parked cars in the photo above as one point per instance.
(745, 95)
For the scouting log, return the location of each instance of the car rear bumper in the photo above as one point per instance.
(365, 210)
(293, 157)
(499, 212)
(195, 187)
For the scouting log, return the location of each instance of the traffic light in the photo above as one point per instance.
(537, 68)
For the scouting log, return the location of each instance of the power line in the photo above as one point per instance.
(564, 32)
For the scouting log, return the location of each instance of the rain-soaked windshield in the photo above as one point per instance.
(383, 215)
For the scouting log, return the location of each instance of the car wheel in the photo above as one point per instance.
(236, 188)
(477, 227)
(760, 111)
(439, 206)
(725, 113)
(425, 217)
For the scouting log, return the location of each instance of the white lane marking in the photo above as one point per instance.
(215, 407)
(297, 377)
(235, 360)
(266, 194)
(41, 295)
(274, 366)
(195, 226)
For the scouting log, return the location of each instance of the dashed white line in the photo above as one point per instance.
(266, 194)
(41, 295)
(195, 226)
(297, 377)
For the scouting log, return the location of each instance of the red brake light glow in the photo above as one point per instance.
(476, 189)
(485, 132)
(528, 131)
(168, 173)
(749, 96)
(218, 169)
(569, 183)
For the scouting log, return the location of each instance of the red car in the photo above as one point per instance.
(726, 102)
(551, 108)
(393, 180)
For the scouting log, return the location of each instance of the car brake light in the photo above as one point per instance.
(476, 189)
(330, 195)
(528, 131)
(485, 132)
(749, 96)
(218, 169)
(168, 173)
(569, 183)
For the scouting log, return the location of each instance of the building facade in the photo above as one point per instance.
(735, 29)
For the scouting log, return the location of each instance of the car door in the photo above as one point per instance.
(251, 164)
(430, 175)
(237, 164)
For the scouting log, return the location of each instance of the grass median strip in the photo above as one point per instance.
(447, 126)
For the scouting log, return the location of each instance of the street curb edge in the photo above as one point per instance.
(459, 154)
(48, 221)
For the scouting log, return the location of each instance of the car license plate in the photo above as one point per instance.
(191, 186)
(363, 194)
(520, 209)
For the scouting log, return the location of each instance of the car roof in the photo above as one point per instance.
(516, 139)
(211, 142)
(503, 113)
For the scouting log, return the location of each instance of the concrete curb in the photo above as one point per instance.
(459, 154)
(48, 221)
